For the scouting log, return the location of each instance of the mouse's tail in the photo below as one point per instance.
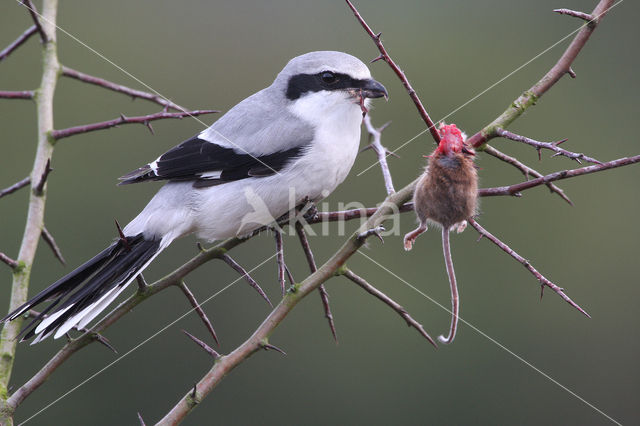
(455, 303)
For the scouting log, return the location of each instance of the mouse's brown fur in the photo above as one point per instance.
(447, 193)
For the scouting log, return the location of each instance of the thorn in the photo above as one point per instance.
(517, 194)
(47, 169)
(141, 420)
(366, 148)
(560, 141)
(146, 123)
(376, 59)
(48, 238)
(378, 35)
(199, 246)
(571, 73)
(289, 276)
(479, 238)
(373, 231)
(391, 153)
(142, 283)
(196, 306)
(384, 126)
(539, 154)
(101, 339)
(267, 346)
(541, 291)
(195, 389)
(122, 237)
(123, 117)
(9, 261)
(239, 269)
(203, 345)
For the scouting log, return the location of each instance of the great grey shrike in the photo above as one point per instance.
(295, 140)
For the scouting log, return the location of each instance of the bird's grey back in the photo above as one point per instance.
(261, 124)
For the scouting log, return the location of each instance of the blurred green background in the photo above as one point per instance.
(212, 55)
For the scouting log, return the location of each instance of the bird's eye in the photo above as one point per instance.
(329, 77)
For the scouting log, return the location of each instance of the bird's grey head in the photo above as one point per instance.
(327, 71)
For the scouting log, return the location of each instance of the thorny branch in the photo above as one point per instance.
(143, 119)
(563, 174)
(552, 146)
(324, 295)
(380, 150)
(71, 73)
(543, 281)
(531, 96)
(37, 200)
(389, 302)
(384, 55)
(526, 170)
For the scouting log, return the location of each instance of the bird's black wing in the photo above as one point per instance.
(207, 164)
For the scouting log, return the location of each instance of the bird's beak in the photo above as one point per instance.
(373, 89)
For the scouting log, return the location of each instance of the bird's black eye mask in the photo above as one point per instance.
(325, 80)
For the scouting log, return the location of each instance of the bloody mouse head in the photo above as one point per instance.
(452, 141)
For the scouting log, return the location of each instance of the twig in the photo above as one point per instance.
(198, 309)
(208, 349)
(20, 94)
(141, 420)
(562, 67)
(543, 281)
(51, 242)
(143, 119)
(575, 14)
(526, 170)
(405, 82)
(71, 73)
(380, 151)
(553, 146)
(280, 258)
(563, 174)
(324, 295)
(34, 15)
(239, 269)
(9, 261)
(347, 273)
(18, 42)
(13, 188)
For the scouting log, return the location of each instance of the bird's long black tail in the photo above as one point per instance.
(80, 296)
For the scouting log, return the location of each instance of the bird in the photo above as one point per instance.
(293, 141)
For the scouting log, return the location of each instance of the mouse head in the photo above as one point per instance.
(452, 140)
